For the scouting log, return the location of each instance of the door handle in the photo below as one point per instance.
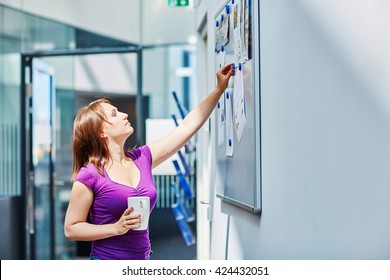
(30, 204)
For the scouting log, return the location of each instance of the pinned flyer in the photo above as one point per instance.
(237, 30)
(221, 57)
(221, 32)
(221, 120)
(239, 101)
(246, 30)
(229, 121)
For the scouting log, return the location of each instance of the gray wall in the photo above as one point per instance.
(325, 136)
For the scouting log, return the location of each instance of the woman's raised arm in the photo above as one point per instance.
(165, 147)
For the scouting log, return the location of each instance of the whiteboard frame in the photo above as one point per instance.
(252, 205)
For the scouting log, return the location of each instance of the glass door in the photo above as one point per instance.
(50, 105)
(42, 155)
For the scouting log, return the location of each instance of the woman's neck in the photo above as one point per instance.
(117, 153)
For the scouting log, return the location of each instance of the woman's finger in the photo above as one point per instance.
(131, 219)
(226, 68)
(127, 211)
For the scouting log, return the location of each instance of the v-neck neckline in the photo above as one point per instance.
(125, 185)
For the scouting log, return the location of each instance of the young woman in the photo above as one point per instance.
(105, 175)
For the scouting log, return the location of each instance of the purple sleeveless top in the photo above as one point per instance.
(109, 203)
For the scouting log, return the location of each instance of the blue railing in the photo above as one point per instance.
(166, 195)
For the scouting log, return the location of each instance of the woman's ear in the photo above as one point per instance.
(102, 134)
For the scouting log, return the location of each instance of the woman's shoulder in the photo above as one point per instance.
(87, 174)
(89, 168)
(139, 152)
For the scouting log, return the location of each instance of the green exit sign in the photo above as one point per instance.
(178, 3)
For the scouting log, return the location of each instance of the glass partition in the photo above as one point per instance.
(10, 123)
(40, 34)
(168, 69)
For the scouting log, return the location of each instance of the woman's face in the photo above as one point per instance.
(118, 125)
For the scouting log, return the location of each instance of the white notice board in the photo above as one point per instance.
(238, 145)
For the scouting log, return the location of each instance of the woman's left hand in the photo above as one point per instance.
(127, 221)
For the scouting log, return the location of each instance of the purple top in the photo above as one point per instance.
(109, 203)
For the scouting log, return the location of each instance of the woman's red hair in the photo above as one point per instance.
(88, 146)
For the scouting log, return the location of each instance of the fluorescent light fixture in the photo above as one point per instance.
(192, 40)
(184, 72)
(43, 46)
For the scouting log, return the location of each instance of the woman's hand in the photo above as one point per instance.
(223, 76)
(127, 221)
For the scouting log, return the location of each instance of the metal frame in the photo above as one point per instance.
(26, 167)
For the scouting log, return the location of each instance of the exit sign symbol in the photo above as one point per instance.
(178, 3)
